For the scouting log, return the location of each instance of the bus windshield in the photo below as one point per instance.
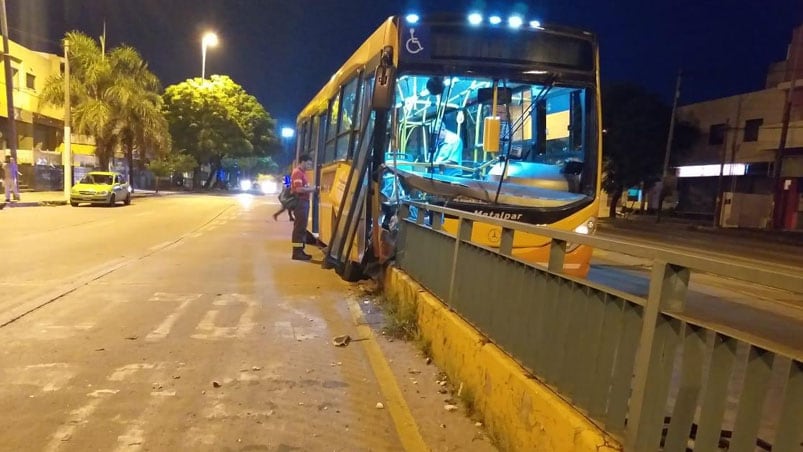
(547, 142)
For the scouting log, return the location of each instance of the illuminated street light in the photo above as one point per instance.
(288, 132)
(209, 40)
(475, 18)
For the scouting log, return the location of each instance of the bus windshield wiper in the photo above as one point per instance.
(517, 125)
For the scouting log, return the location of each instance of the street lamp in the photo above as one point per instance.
(288, 132)
(209, 40)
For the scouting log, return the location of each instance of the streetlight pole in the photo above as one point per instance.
(209, 40)
(66, 154)
(11, 131)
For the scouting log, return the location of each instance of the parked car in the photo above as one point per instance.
(101, 187)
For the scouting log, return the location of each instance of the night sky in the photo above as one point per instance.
(284, 51)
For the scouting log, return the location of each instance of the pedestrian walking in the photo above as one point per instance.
(10, 181)
(300, 187)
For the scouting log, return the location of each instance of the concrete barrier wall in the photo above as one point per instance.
(521, 413)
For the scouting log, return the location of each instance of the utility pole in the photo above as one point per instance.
(668, 150)
(777, 209)
(11, 131)
(66, 153)
(723, 156)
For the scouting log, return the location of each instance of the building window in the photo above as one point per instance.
(14, 75)
(716, 134)
(751, 127)
(30, 81)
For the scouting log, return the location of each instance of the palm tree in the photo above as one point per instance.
(115, 98)
(139, 123)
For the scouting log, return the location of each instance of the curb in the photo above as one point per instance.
(520, 412)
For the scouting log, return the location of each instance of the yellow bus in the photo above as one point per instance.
(491, 115)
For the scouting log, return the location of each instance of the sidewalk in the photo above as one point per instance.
(56, 198)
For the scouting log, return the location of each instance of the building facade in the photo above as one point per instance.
(39, 126)
(740, 172)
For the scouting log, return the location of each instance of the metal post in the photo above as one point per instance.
(203, 60)
(66, 153)
(668, 150)
(11, 131)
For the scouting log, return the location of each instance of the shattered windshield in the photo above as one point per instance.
(546, 142)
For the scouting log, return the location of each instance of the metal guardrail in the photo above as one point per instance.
(637, 366)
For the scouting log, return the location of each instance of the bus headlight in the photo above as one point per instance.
(588, 227)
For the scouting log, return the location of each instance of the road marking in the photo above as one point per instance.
(403, 419)
(283, 330)
(133, 438)
(47, 377)
(121, 373)
(164, 328)
(78, 417)
(207, 328)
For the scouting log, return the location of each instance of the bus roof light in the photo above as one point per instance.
(475, 18)
(495, 20)
(412, 18)
(515, 21)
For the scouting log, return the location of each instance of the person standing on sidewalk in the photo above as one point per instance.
(10, 172)
(301, 189)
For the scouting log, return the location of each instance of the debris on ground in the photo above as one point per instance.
(256, 368)
(450, 408)
(379, 405)
(216, 384)
(341, 341)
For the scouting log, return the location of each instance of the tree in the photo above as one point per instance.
(636, 125)
(140, 123)
(213, 119)
(171, 163)
(114, 98)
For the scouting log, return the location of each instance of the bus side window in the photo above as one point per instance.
(346, 125)
(331, 129)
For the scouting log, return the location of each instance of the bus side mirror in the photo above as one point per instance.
(384, 88)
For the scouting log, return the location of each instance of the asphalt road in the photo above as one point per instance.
(179, 323)
(766, 315)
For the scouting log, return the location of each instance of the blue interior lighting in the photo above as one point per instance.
(535, 24)
(515, 21)
(475, 18)
(495, 20)
(412, 18)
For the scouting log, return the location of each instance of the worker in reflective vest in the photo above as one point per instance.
(301, 189)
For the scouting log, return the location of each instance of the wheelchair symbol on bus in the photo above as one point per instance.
(413, 45)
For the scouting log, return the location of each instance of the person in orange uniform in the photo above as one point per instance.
(301, 189)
